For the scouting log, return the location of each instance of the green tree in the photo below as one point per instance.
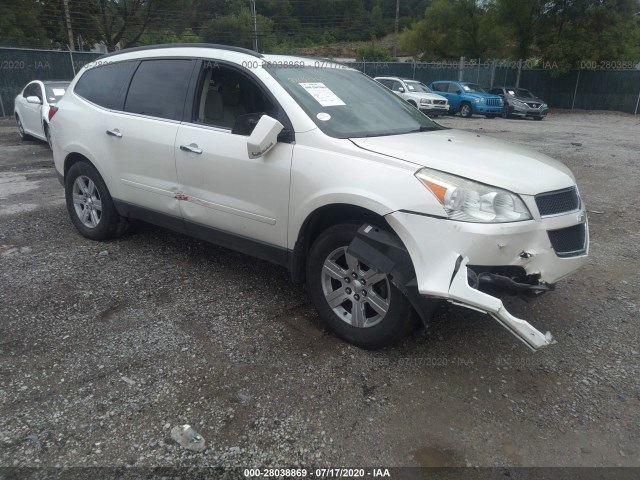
(453, 28)
(373, 53)
(589, 30)
(237, 29)
(522, 20)
(19, 24)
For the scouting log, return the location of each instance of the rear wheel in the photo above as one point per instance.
(465, 110)
(90, 205)
(356, 301)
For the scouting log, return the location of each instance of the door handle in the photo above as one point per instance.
(193, 148)
(114, 133)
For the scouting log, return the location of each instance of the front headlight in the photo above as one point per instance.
(519, 103)
(468, 201)
(480, 100)
(425, 101)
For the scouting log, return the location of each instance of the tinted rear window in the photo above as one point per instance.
(159, 87)
(105, 84)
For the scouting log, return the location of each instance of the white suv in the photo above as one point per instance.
(417, 94)
(318, 168)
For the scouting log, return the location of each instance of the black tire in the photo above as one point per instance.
(465, 110)
(537, 118)
(110, 223)
(392, 327)
(21, 132)
(505, 111)
(490, 117)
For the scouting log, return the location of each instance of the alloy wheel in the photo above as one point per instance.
(87, 201)
(357, 294)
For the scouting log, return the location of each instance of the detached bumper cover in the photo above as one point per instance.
(461, 293)
(440, 250)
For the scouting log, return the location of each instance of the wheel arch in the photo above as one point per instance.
(319, 220)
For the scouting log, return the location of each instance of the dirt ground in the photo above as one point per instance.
(104, 347)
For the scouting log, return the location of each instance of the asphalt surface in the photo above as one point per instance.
(106, 347)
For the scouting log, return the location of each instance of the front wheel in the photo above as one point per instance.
(21, 132)
(505, 111)
(90, 205)
(537, 118)
(465, 110)
(356, 301)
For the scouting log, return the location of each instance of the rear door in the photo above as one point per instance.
(143, 103)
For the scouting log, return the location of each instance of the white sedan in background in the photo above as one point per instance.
(32, 105)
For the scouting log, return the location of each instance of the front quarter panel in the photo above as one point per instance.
(328, 171)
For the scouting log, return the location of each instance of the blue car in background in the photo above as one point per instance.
(468, 98)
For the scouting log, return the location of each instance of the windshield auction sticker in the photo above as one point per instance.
(323, 95)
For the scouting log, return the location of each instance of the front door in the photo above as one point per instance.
(227, 196)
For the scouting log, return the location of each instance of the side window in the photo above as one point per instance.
(105, 85)
(386, 83)
(226, 94)
(453, 88)
(159, 87)
(33, 90)
(396, 86)
(440, 87)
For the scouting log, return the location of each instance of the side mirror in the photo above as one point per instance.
(35, 100)
(401, 89)
(264, 136)
(458, 92)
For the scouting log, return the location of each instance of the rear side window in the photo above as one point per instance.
(105, 85)
(159, 88)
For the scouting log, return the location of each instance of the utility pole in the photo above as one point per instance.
(255, 25)
(67, 17)
(395, 40)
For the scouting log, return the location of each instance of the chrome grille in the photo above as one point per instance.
(533, 105)
(570, 241)
(493, 102)
(440, 102)
(558, 202)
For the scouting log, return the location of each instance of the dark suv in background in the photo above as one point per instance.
(521, 102)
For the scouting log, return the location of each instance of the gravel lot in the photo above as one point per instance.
(105, 347)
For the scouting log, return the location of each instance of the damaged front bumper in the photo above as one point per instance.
(444, 255)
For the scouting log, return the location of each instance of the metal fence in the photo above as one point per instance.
(585, 89)
(19, 66)
(617, 90)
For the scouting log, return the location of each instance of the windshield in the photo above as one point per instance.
(473, 88)
(417, 87)
(345, 103)
(520, 92)
(55, 91)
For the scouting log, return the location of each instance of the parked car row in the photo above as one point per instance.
(466, 98)
(378, 209)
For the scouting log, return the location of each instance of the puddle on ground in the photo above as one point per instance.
(438, 457)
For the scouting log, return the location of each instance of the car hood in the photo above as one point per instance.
(476, 157)
(529, 99)
(430, 96)
(480, 95)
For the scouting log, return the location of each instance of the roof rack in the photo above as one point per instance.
(185, 45)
